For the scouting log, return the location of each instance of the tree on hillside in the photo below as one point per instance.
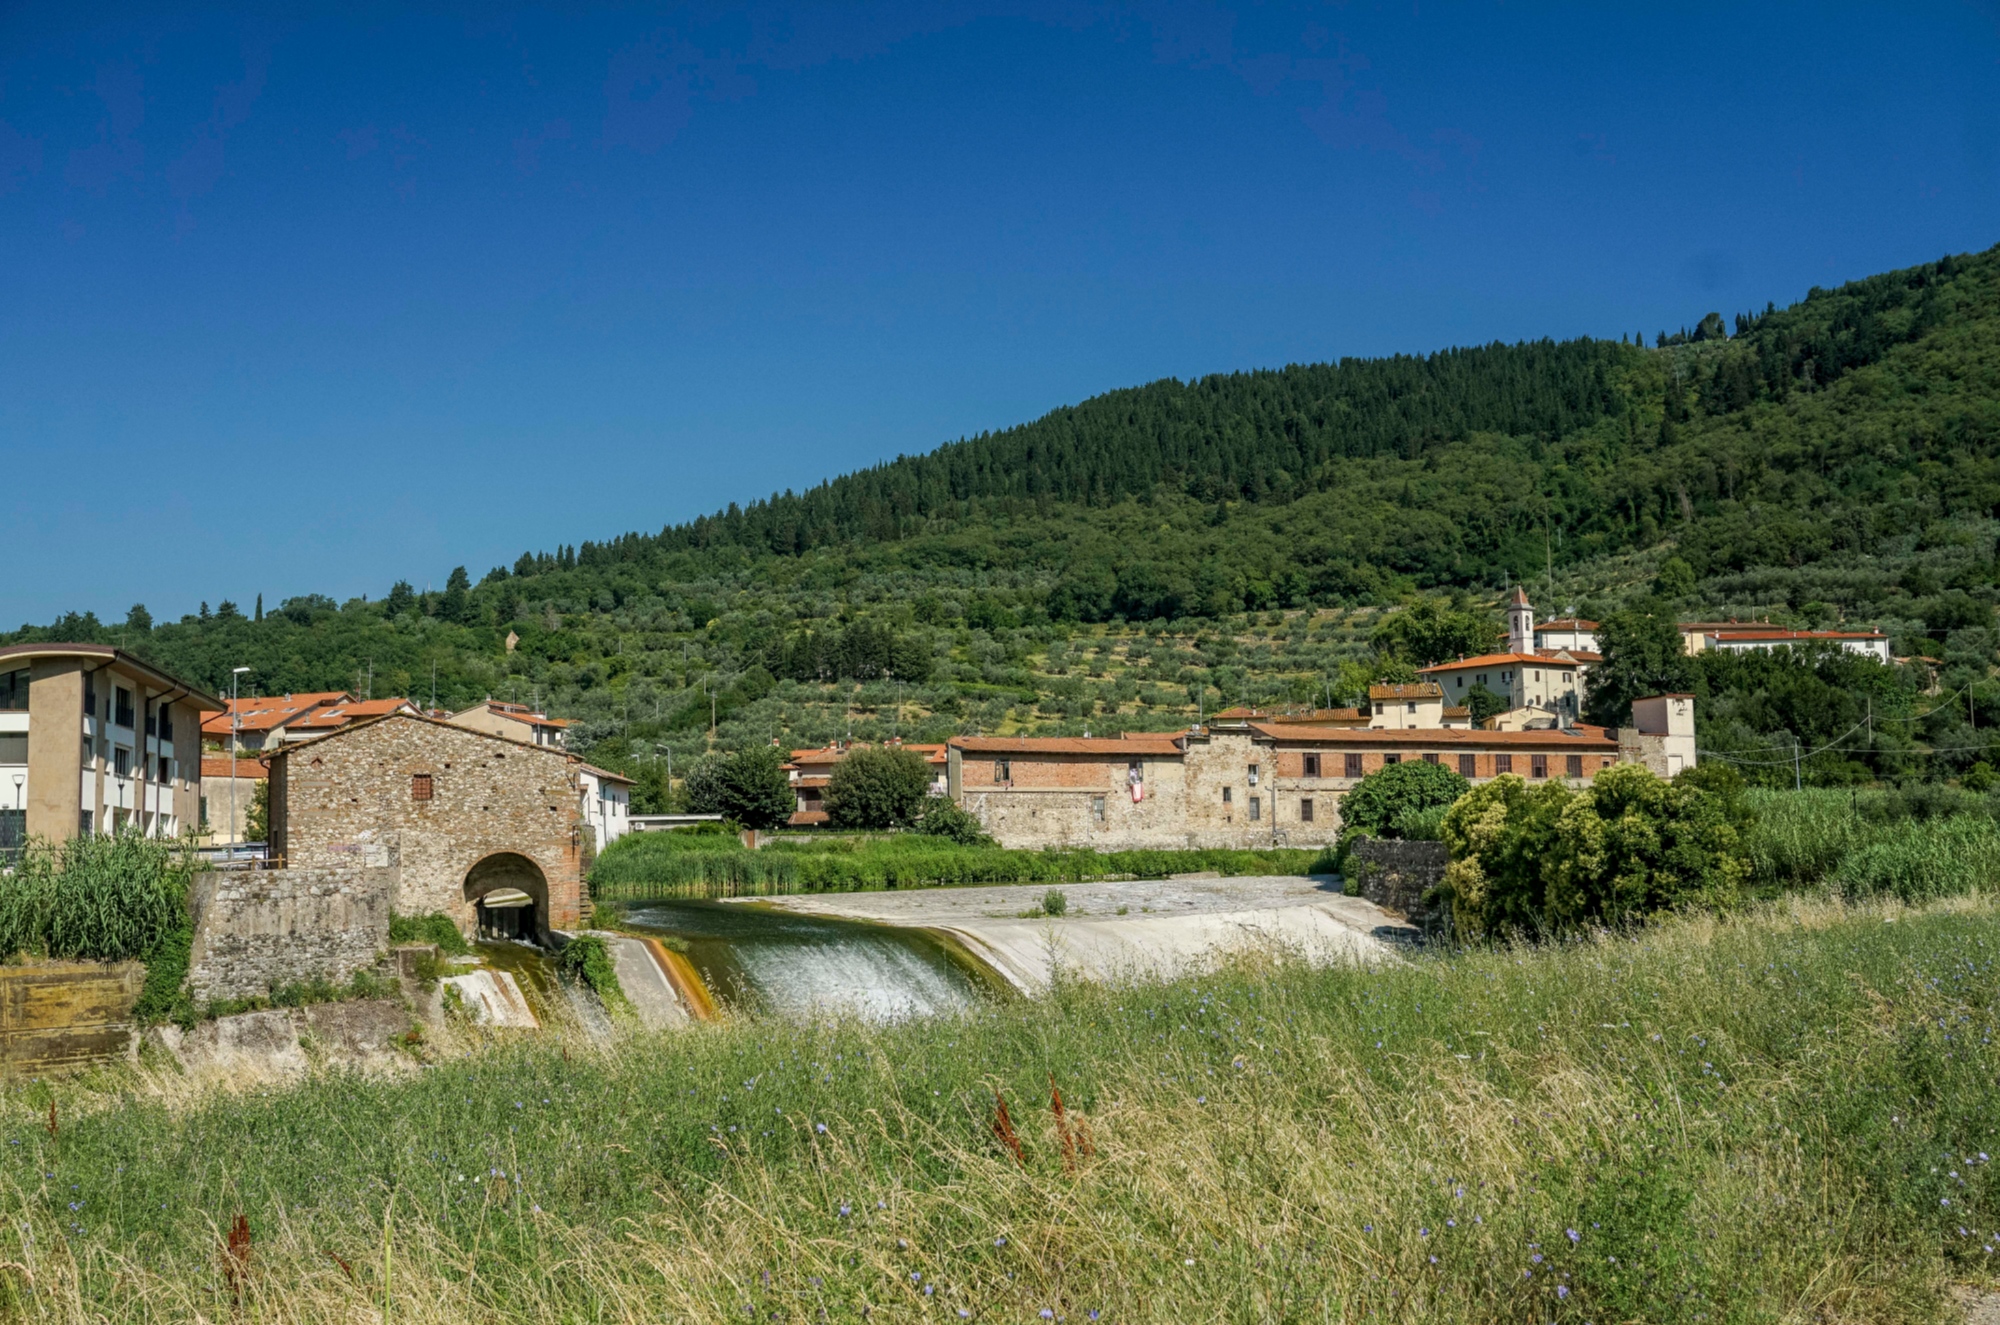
(1483, 703)
(139, 621)
(1435, 630)
(455, 605)
(878, 787)
(1643, 655)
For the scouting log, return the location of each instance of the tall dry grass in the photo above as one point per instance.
(1778, 1116)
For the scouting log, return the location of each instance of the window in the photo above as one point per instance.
(1481, 680)
(1410, 707)
(420, 787)
(1253, 775)
(89, 701)
(166, 724)
(1306, 810)
(1312, 768)
(1506, 677)
(1256, 809)
(1391, 759)
(166, 769)
(13, 747)
(121, 762)
(204, 814)
(1097, 808)
(1538, 766)
(1228, 795)
(1503, 764)
(1569, 676)
(123, 716)
(14, 691)
(1378, 710)
(1003, 770)
(1354, 766)
(1574, 766)
(1430, 758)
(83, 823)
(1538, 675)
(1466, 763)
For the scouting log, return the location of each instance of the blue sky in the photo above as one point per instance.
(311, 304)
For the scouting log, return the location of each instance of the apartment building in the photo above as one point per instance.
(515, 722)
(94, 740)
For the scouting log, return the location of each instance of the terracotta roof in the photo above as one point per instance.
(1520, 596)
(217, 766)
(339, 715)
(1579, 739)
(1547, 658)
(604, 774)
(833, 754)
(1457, 711)
(809, 818)
(1407, 690)
(1287, 715)
(1115, 746)
(1568, 623)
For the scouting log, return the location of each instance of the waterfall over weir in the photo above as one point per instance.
(788, 965)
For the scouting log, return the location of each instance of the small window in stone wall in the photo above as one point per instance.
(420, 787)
(1306, 810)
(1312, 770)
(1228, 795)
(1097, 808)
(1256, 809)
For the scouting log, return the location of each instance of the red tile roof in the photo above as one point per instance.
(217, 766)
(833, 754)
(1546, 658)
(809, 818)
(1769, 635)
(605, 774)
(339, 715)
(1568, 623)
(1407, 690)
(1112, 746)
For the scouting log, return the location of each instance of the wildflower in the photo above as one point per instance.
(1574, 1236)
(846, 1210)
(1046, 1314)
(1562, 1290)
(820, 1128)
(1536, 1258)
(1451, 1223)
(1423, 1232)
(1188, 1261)
(1000, 1242)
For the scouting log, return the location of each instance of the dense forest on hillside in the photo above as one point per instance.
(1149, 554)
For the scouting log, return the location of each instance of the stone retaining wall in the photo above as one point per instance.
(1395, 875)
(257, 930)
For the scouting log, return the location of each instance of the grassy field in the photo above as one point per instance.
(1786, 1115)
(643, 865)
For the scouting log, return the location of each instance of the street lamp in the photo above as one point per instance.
(235, 726)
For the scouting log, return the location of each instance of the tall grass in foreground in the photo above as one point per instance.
(1783, 1116)
(102, 897)
(647, 865)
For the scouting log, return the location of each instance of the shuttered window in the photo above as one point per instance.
(1466, 763)
(1354, 766)
(420, 787)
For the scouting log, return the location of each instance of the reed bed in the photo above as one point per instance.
(1779, 1116)
(641, 866)
(1936, 842)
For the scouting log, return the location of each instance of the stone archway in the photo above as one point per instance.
(507, 876)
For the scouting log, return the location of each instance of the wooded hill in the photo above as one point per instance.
(1133, 559)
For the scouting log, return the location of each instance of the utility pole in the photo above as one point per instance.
(235, 726)
(434, 684)
(1797, 784)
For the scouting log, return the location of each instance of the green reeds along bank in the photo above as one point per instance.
(1781, 1116)
(642, 865)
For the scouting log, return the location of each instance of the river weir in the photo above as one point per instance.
(776, 963)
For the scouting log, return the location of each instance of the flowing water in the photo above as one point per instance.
(790, 965)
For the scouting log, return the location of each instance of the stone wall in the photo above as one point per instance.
(1204, 798)
(257, 930)
(1395, 875)
(498, 814)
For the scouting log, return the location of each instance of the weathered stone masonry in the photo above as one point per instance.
(450, 814)
(257, 930)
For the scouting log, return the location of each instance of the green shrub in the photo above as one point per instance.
(588, 958)
(96, 898)
(1528, 859)
(1378, 803)
(1054, 902)
(946, 820)
(435, 928)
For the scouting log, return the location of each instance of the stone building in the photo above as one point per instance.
(453, 815)
(1264, 783)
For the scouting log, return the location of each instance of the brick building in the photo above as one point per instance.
(453, 814)
(1264, 783)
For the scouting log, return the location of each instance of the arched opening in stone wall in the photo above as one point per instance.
(510, 898)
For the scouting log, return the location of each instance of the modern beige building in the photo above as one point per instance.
(93, 740)
(515, 722)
